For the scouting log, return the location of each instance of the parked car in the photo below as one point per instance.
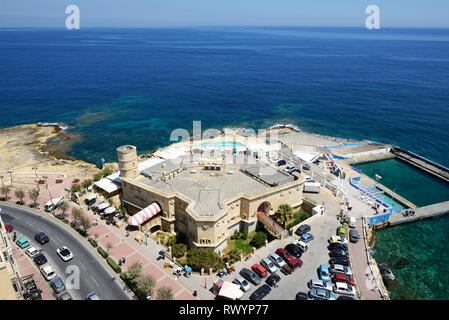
(260, 293)
(22, 243)
(344, 288)
(307, 237)
(338, 268)
(338, 253)
(9, 227)
(40, 259)
(318, 283)
(277, 260)
(244, 285)
(321, 294)
(64, 253)
(334, 239)
(251, 276)
(272, 279)
(303, 229)
(352, 222)
(287, 169)
(41, 237)
(92, 296)
(261, 271)
(340, 277)
(354, 235)
(31, 252)
(48, 272)
(64, 296)
(294, 170)
(341, 232)
(294, 250)
(339, 260)
(301, 245)
(301, 296)
(287, 269)
(280, 163)
(323, 273)
(288, 258)
(57, 284)
(269, 265)
(338, 245)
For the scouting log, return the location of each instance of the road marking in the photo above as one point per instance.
(93, 279)
(82, 265)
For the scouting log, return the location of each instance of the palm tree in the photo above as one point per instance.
(20, 194)
(5, 190)
(34, 195)
(285, 213)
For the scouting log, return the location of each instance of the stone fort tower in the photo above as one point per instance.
(127, 161)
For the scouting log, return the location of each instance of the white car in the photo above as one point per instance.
(288, 168)
(317, 283)
(277, 260)
(64, 253)
(269, 265)
(32, 252)
(244, 285)
(338, 268)
(48, 272)
(337, 239)
(344, 288)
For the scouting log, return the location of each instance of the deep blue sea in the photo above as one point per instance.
(119, 86)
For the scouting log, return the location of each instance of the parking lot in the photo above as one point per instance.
(323, 227)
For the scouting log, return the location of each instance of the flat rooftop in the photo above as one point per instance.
(208, 188)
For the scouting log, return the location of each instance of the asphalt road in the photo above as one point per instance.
(94, 276)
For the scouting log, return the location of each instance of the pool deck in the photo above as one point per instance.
(430, 211)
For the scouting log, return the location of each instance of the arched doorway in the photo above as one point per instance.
(264, 207)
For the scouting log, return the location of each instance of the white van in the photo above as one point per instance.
(352, 222)
(302, 245)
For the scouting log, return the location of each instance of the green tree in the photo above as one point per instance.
(76, 214)
(85, 222)
(20, 194)
(171, 241)
(134, 271)
(34, 195)
(106, 172)
(233, 255)
(165, 293)
(87, 183)
(98, 177)
(259, 239)
(179, 250)
(75, 188)
(145, 284)
(5, 190)
(285, 213)
(64, 206)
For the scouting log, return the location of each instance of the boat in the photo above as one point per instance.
(378, 177)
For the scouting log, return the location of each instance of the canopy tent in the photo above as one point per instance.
(91, 197)
(107, 185)
(103, 206)
(109, 210)
(144, 214)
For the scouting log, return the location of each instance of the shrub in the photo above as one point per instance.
(204, 258)
(233, 255)
(114, 265)
(171, 241)
(103, 253)
(93, 242)
(259, 239)
(59, 216)
(179, 250)
(66, 221)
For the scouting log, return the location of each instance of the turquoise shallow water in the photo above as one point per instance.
(424, 244)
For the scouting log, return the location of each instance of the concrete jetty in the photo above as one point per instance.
(421, 213)
(422, 163)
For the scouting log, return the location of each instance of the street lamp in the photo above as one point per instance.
(3, 183)
(10, 175)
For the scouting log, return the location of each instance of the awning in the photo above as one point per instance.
(107, 185)
(109, 210)
(144, 214)
(91, 197)
(103, 206)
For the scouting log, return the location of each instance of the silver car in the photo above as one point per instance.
(317, 283)
(277, 260)
(269, 265)
(57, 284)
(244, 285)
(338, 268)
(321, 294)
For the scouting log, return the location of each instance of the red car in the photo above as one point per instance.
(339, 277)
(9, 227)
(261, 271)
(288, 258)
